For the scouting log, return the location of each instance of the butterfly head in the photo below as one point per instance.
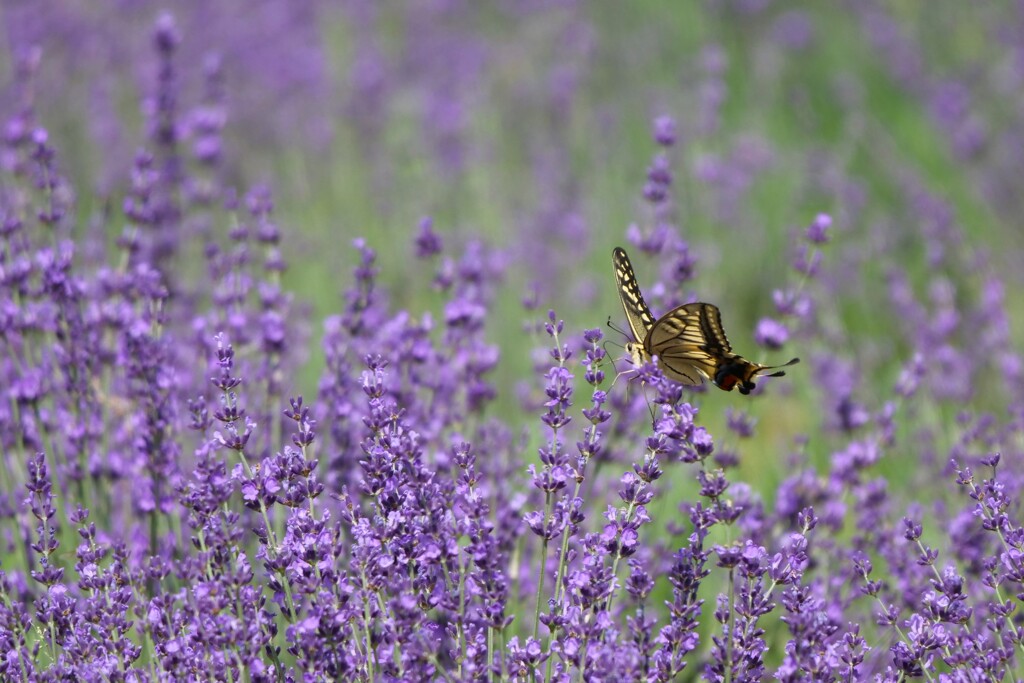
(637, 354)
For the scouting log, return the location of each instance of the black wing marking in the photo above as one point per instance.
(711, 326)
(689, 342)
(638, 315)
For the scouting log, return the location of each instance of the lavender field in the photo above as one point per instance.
(306, 374)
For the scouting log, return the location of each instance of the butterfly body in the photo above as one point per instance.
(688, 341)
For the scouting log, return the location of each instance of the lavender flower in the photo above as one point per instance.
(428, 242)
(771, 334)
(665, 131)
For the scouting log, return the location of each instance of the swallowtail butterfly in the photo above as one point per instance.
(689, 341)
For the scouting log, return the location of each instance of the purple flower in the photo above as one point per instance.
(770, 333)
(428, 242)
(817, 231)
(740, 422)
(665, 131)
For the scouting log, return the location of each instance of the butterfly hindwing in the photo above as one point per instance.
(711, 327)
(680, 340)
(687, 368)
(697, 324)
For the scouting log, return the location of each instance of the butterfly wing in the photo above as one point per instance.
(637, 314)
(690, 343)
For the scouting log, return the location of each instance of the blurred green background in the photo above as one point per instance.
(529, 125)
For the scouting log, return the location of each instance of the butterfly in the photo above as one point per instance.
(689, 341)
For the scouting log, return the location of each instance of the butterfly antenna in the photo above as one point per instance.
(616, 328)
(609, 342)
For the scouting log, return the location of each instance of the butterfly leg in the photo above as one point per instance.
(643, 390)
(650, 406)
(618, 374)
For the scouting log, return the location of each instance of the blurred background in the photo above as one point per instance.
(527, 130)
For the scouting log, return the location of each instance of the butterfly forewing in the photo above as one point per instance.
(637, 314)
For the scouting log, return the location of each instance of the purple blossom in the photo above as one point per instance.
(428, 242)
(817, 231)
(741, 423)
(770, 333)
(665, 131)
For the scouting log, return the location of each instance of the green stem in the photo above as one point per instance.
(729, 624)
(540, 571)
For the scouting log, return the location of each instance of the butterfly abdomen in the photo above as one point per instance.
(736, 370)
